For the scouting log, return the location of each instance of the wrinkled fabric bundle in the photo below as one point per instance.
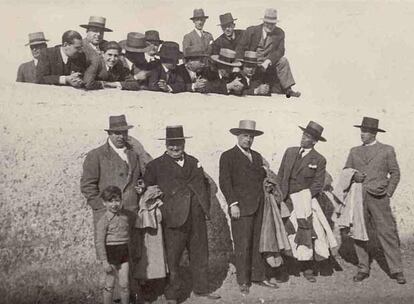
(309, 223)
(273, 237)
(149, 214)
(352, 209)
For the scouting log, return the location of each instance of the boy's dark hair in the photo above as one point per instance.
(111, 192)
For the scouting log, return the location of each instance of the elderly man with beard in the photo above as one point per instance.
(230, 37)
(268, 40)
(93, 41)
(106, 71)
(186, 207)
(198, 37)
(63, 64)
(27, 70)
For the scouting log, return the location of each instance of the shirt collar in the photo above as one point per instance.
(200, 33)
(165, 69)
(65, 57)
(148, 58)
(96, 48)
(120, 151)
(371, 144)
(232, 37)
(129, 63)
(264, 33)
(247, 152)
(35, 61)
(305, 151)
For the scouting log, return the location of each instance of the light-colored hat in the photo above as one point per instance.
(246, 126)
(98, 22)
(135, 42)
(36, 38)
(270, 15)
(250, 57)
(226, 57)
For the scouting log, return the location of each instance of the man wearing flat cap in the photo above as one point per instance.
(230, 37)
(377, 169)
(27, 70)
(63, 64)
(241, 181)
(268, 40)
(301, 179)
(186, 207)
(92, 43)
(198, 36)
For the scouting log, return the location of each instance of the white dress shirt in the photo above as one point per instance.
(120, 151)
(65, 58)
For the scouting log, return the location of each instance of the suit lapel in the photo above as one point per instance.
(59, 60)
(242, 156)
(373, 153)
(291, 158)
(307, 159)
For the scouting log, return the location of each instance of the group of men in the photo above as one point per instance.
(239, 62)
(243, 175)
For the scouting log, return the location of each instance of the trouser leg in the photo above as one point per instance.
(198, 249)
(175, 243)
(386, 230)
(242, 231)
(284, 73)
(260, 268)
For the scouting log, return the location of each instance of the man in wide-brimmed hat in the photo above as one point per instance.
(164, 76)
(134, 61)
(198, 36)
(92, 43)
(195, 70)
(241, 181)
(377, 169)
(63, 64)
(224, 80)
(268, 40)
(152, 37)
(230, 37)
(27, 70)
(301, 179)
(254, 78)
(186, 207)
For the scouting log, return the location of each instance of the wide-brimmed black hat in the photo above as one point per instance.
(118, 123)
(170, 52)
(174, 133)
(98, 22)
(314, 129)
(370, 124)
(246, 126)
(195, 51)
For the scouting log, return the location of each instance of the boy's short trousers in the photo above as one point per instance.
(117, 254)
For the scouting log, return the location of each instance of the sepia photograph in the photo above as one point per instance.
(159, 151)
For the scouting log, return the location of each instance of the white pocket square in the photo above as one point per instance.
(312, 166)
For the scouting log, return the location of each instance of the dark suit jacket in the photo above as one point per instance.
(26, 72)
(97, 72)
(175, 81)
(193, 39)
(89, 51)
(182, 71)
(310, 178)
(241, 180)
(180, 185)
(50, 66)
(380, 165)
(103, 167)
(251, 38)
(256, 80)
(222, 42)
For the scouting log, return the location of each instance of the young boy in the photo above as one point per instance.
(112, 239)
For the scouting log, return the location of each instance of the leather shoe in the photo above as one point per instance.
(266, 283)
(211, 295)
(244, 289)
(291, 93)
(399, 277)
(360, 276)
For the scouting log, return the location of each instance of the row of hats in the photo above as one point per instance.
(270, 16)
(118, 123)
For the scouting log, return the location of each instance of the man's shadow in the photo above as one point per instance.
(219, 244)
